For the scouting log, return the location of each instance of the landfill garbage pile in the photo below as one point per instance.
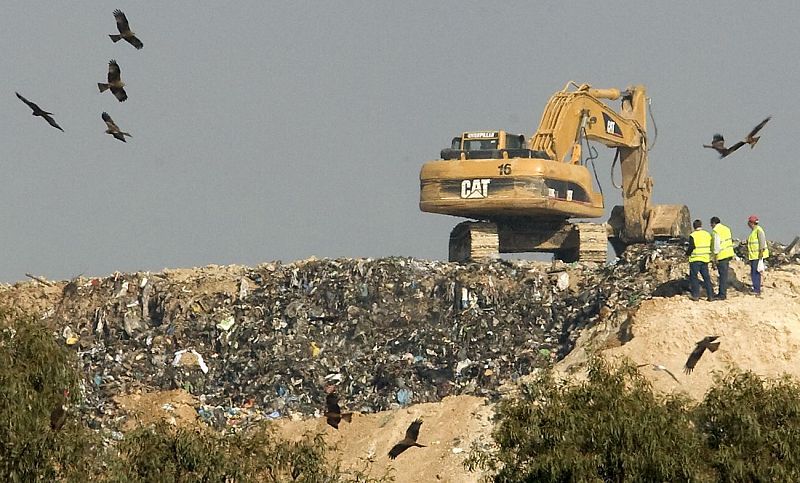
(267, 342)
(779, 254)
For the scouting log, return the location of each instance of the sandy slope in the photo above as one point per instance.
(757, 334)
(449, 428)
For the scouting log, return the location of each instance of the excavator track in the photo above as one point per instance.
(592, 242)
(571, 242)
(474, 240)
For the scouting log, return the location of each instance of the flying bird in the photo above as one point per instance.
(333, 413)
(38, 111)
(410, 440)
(113, 129)
(706, 343)
(718, 142)
(114, 82)
(58, 416)
(125, 31)
(659, 367)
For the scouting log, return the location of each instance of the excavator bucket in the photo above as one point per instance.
(664, 221)
(670, 221)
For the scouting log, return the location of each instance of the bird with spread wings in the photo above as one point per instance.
(38, 111)
(409, 441)
(718, 142)
(333, 413)
(115, 83)
(706, 343)
(125, 31)
(113, 129)
(659, 367)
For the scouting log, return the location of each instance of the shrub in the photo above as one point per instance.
(164, 453)
(752, 427)
(609, 428)
(34, 371)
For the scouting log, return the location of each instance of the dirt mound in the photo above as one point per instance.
(177, 407)
(757, 334)
(449, 428)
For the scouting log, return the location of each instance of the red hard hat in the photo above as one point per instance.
(752, 219)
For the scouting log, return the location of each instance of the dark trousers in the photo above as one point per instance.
(755, 276)
(722, 271)
(694, 282)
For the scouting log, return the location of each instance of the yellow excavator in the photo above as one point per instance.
(523, 193)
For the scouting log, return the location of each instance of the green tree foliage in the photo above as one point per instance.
(752, 428)
(34, 372)
(609, 428)
(612, 428)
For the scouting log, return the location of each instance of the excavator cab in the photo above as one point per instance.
(486, 145)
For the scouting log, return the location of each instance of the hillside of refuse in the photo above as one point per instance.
(397, 338)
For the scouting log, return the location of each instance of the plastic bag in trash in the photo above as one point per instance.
(198, 359)
(404, 396)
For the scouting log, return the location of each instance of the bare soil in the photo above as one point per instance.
(756, 334)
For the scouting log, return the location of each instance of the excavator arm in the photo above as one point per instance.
(571, 116)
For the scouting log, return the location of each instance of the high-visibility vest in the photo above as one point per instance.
(752, 244)
(723, 233)
(702, 246)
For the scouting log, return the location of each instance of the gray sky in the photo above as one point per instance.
(280, 130)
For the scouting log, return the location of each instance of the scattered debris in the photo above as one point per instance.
(793, 248)
(39, 279)
(382, 333)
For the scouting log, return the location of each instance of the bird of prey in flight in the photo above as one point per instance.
(718, 142)
(113, 129)
(114, 82)
(706, 343)
(125, 31)
(333, 413)
(659, 367)
(38, 111)
(410, 440)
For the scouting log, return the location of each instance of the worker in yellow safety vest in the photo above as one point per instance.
(722, 249)
(699, 252)
(757, 251)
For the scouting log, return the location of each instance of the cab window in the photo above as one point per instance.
(479, 144)
(515, 141)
